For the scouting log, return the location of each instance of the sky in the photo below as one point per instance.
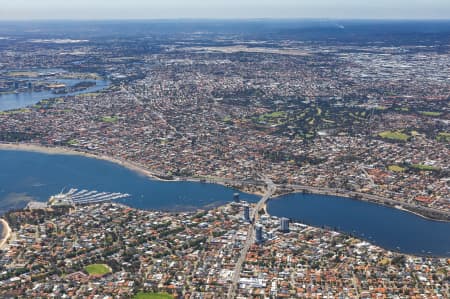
(223, 9)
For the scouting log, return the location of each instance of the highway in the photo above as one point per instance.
(254, 216)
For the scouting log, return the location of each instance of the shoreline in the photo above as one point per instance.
(66, 151)
(37, 148)
(397, 205)
(6, 233)
(159, 177)
(401, 208)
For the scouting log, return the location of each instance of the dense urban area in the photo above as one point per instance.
(111, 251)
(366, 118)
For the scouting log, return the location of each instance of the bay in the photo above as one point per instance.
(26, 176)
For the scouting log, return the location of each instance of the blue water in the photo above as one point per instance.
(37, 176)
(387, 227)
(28, 176)
(23, 99)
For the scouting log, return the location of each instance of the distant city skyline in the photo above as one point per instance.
(223, 9)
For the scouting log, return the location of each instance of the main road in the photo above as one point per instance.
(254, 216)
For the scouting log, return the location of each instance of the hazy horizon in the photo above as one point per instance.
(250, 19)
(23, 10)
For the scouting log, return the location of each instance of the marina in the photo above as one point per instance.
(75, 197)
(31, 176)
(87, 197)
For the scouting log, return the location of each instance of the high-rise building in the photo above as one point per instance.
(259, 234)
(236, 197)
(284, 225)
(247, 213)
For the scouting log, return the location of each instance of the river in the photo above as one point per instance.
(26, 176)
(387, 227)
(23, 99)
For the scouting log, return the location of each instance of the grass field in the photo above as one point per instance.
(424, 167)
(275, 114)
(17, 111)
(227, 119)
(89, 94)
(274, 117)
(142, 295)
(23, 74)
(430, 113)
(394, 135)
(109, 119)
(72, 142)
(97, 269)
(396, 168)
(443, 136)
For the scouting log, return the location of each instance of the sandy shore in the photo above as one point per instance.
(6, 233)
(127, 164)
(65, 151)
